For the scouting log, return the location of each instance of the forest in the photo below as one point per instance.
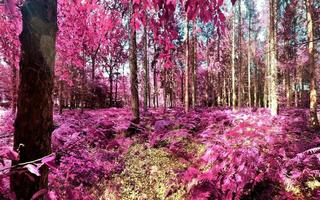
(159, 99)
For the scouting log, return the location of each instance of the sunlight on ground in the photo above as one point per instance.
(2, 112)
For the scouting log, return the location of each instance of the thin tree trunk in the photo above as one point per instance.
(116, 92)
(34, 121)
(186, 84)
(296, 82)
(124, 85)
(249, 63)
(255, 86)
(61, 104)
(93, 67)
(182, 88)
(82, 74)
(288, 88)
(165, 90)
(224, 94)
(207, 76)
(111, 85)
(146, 70)
(240, 56)
(194, 70)
(311, 50)
(233, 57)
(155, 85)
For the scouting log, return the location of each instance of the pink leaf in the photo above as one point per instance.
(32, 169)
(50, 161)
(8, 153)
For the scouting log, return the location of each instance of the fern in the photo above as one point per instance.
(312, 151)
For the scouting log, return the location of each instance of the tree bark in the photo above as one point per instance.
(240, 56)
(249, 63)
(61, 104)
(194, 68)
(134, 75)
(146, 70)
(273, 59)
(34, 121)
(186, 82)
(111, 85)
(233, 57)
(311, 50)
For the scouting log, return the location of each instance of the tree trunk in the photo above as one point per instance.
(111, 86)
(146, 70)
(82, 92)
(61, 104)
(240, 56)
(93, 69)
(233, 58)
(207, 75)
(165, 90)
(186, 82)
(93, 59)
(273, 59)
(116, 92)
(155, 87)
(134, 76)
(288, 88)
(194, 68)
(249, 63)
(34, 121)
(224, 90)
(182, 88)
(311, 50)
(296, 93)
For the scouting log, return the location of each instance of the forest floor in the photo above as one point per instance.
(205, 154)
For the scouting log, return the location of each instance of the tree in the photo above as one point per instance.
(233, 58)
(239, 55)
(186, 71)
(273, 104)
(146, 96)
(311, 51)
(34, 124)
(134, 68)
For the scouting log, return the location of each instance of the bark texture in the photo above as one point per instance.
(34, 122)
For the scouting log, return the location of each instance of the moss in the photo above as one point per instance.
(150, 173)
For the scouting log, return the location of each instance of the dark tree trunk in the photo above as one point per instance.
(61, 101)
(155, 84)
(111, 86)
(134, 76)
(146, 70)
(165, 92)
(82, 92)
(116, 92)
(34, 122)
(93, 68)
